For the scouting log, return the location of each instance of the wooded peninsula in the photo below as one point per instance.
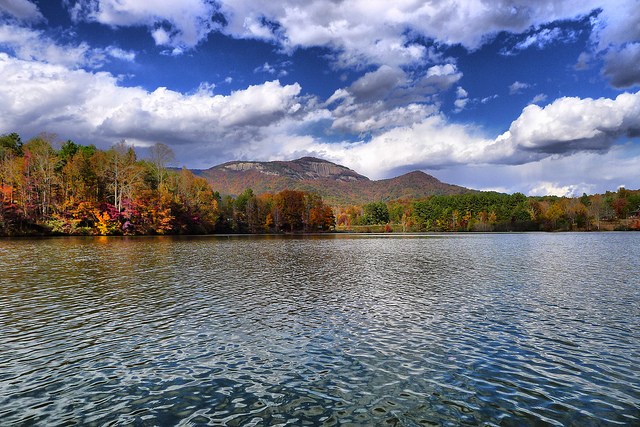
(82, 190)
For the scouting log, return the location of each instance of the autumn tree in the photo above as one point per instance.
(199, 201)
(125, 174)
(316, 215)
(41, 161)
(290, 208)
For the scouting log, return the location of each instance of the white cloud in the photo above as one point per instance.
(265, 68)
(45, 97)
(389, 97)
(541, 97)
(517, 87)
(429, 143)
(273, 69)
(359, 32)
(545, 188)
(617, 24)
(488, 98)
(177, 24)
(441, 70)
(462, 99)
(460, 104)
(584, 172)
(570, 125)
(362, 33)
(23, 10)
(124, 55)
(541, 38)
(30, 44)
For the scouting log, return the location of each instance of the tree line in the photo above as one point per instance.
(491, 211)
(80, 189)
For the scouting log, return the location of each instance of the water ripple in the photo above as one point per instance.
(527, 329)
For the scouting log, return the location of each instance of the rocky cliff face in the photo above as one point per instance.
(337, 184)
(301, 169)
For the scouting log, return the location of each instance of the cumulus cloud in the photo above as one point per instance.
(405, 130)
(30, 44)
(616, 34)
(360, 33)
(117, 53)
(177, 24)
(622, 66)
(430, 143)
(461, 99)
(374, 32)
(22, 10)
(617, 24)
(389, 97)
(53, 98)
(569, 125)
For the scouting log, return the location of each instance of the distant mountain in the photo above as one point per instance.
(335, 183)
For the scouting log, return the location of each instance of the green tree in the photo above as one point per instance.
(10, 145)
(375, 213)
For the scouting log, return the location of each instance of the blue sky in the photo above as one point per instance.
(539, 97)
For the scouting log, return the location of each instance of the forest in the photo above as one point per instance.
(491, 211)
(82, 190)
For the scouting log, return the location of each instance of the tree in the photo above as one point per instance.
(290, 207)
(10, 145)
(125, 173)
(595, 209)
(160, 155)
(41, 163)
(375, 213)
(199, 202)
(78, 176)
(621, 207)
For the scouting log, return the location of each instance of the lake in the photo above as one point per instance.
(455, 329)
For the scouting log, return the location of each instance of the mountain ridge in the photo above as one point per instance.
(337, 184)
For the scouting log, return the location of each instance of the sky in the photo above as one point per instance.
(539, 97)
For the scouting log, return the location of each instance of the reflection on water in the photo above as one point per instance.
(518, 329)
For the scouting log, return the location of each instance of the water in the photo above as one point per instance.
(513, 330)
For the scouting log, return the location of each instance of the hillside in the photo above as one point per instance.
(337, 184)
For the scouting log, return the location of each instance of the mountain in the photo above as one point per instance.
(336, 184)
